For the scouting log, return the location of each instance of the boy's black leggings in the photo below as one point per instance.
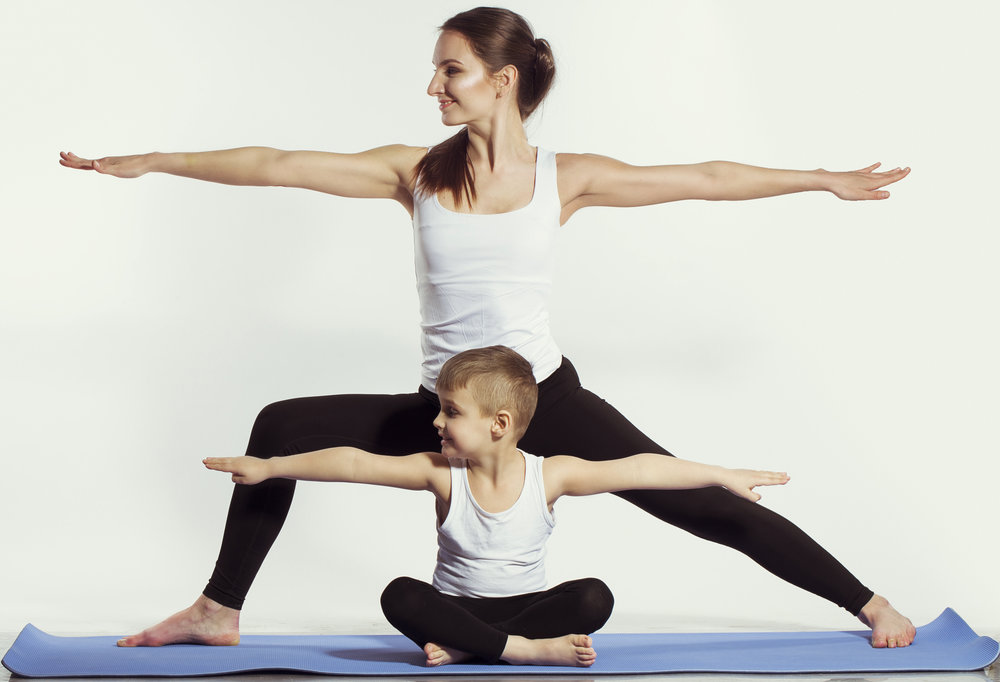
(480, 626)
(569, 420)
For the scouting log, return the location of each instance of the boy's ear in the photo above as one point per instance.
(501, 424)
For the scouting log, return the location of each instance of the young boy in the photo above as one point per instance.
(494, 508)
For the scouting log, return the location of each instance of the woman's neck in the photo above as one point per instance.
(499, 141)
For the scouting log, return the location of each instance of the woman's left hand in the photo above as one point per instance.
(864, 184)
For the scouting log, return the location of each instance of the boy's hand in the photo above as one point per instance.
(743, 481)
(245, 470)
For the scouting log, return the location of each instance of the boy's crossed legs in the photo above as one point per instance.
(548, 628)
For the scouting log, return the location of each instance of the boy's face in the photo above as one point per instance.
(464, 430)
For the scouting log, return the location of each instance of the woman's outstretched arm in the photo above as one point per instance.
(592, 180)
(384, 172)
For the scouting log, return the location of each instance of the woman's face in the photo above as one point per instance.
(462, 85)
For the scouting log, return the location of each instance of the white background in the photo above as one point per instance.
(143, 323)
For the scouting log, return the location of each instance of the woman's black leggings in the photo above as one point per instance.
(480, 626)
(569, 420)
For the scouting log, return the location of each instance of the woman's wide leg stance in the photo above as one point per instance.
(384, 424)
(480, 626)
(569, 420)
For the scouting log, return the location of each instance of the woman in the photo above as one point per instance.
(486, 207)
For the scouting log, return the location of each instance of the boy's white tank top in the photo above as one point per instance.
(487, 554)
(485, 279)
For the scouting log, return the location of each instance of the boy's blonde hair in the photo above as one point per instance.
(498, 379)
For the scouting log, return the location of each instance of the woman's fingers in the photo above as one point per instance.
(71, 160)
(887, 178)
(866, 184)
(118, 166)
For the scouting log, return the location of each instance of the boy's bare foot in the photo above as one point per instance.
(575, 650)
(889, 627)
(442, 655)
(204, 622)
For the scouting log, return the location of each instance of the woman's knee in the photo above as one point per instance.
(271, 429)
(297, 425)
(712, 514)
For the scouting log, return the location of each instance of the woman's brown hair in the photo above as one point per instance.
(498, 37)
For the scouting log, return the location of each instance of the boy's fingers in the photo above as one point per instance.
(217, 463)
(773, 478)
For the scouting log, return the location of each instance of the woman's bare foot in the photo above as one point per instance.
(889, 627)
(442, 655)
(575, 650)
(204, 622)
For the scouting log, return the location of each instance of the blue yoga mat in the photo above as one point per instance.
(946, 644)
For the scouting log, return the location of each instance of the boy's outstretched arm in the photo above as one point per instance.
(647, 471)
(420, 471)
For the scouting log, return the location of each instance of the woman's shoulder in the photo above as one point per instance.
(576, 173)
(577, 162)
(399, 155)
(401, 161)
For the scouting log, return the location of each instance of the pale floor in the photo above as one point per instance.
(991, 674)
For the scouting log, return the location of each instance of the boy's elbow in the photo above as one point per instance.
(352, 465)
(638, 471)
(654, 471)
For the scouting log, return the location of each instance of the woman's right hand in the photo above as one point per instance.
(118, 166)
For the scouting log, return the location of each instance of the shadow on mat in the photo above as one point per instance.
(416, 658)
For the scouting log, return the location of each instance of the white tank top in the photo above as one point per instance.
(487, 554)
(485, 280)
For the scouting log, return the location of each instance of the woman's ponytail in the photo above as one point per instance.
(544, 73)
